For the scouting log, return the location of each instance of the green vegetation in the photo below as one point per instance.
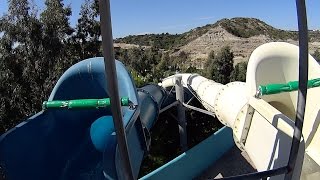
(34, 53)
(314, 35)
(208, 70)
(248, 27)
(316, 55)
(85, 40)
(36, 49)
(220, 66)
(239, 72)
(161, 41)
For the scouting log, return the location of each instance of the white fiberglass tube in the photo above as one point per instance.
(224, 100)
(263, 127)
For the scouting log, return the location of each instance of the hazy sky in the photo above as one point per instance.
(151, 16)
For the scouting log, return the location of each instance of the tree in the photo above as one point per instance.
(209, 65)
(56, 32)
(138, 79)
(142, 60)
(162, 69)
(34, 54)
(316, 55)
(86, 40)
(20, 47)
(181, 61)
(239, 72)
(222, 66)
(122, 55)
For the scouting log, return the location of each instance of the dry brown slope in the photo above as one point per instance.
(218, 37)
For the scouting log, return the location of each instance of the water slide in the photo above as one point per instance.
(263, 125)
(76, 142)
(73, 139)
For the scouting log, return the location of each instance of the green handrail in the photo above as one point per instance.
(288, 87)
(82, 103)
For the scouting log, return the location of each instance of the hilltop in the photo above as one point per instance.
(243, 35)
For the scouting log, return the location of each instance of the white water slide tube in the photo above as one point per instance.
(264, 127)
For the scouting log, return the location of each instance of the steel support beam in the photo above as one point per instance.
(169, 106)
(181, 113)
(112, 86)
(199, 110)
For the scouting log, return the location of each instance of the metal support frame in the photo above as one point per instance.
(112, 86)
(247, 124)
(181, 113)
(190, 100)
(169, 106)
(173, 116)
(199, 110)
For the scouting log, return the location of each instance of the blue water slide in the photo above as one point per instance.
(81, 144)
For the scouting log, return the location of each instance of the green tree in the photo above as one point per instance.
(181, 61)
(138, 79)
(191, 69)
(142, 60)
(208, 68)
(136, 60)
(239, 72)
(222, 66)
(20, 56)
(162, 69)
(34, 54)
(56, 33)
(86, 40)
(122, 55)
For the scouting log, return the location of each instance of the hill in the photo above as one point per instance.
(243, 35)
(239, 27)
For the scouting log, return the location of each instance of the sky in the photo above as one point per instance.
(132, 17)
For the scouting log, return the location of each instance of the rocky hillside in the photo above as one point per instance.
(243, 35)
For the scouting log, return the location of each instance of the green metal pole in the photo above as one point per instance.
(82, 103)
(288, 87)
